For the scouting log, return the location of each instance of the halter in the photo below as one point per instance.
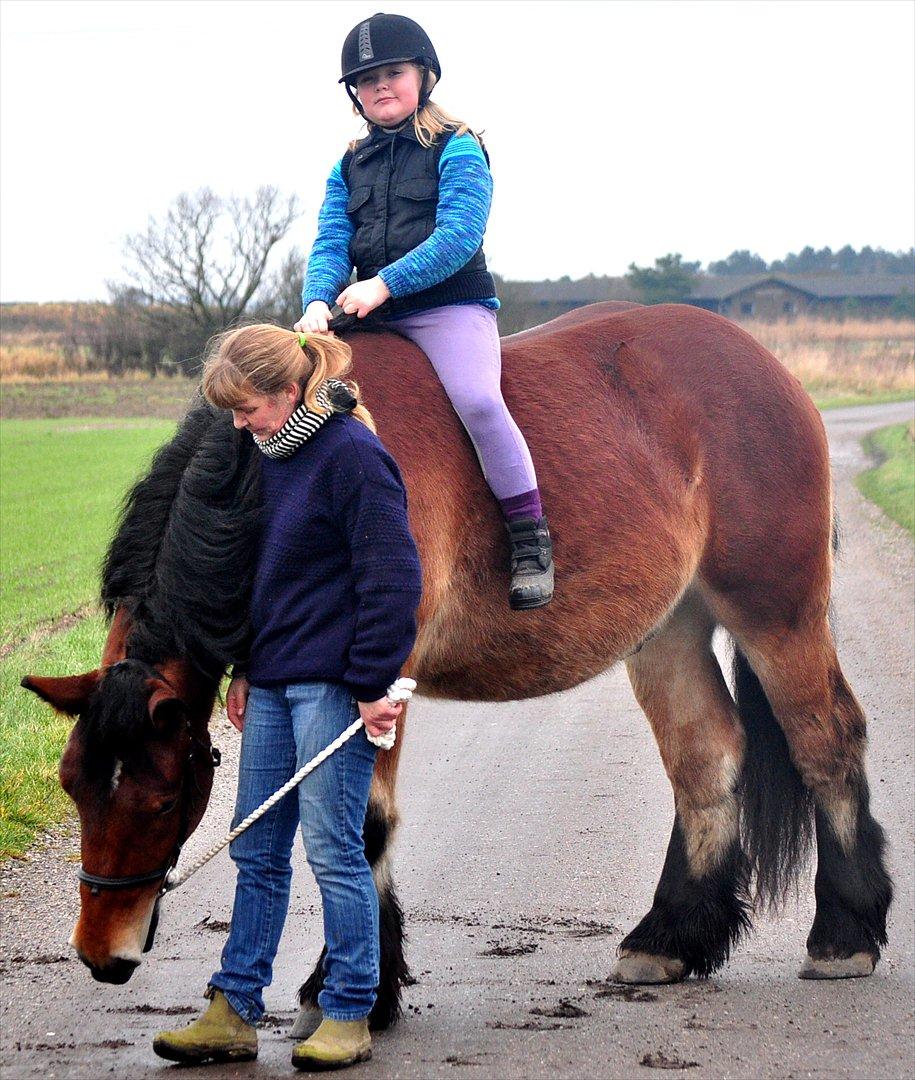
(98, 882)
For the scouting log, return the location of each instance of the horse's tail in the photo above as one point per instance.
(776, 808)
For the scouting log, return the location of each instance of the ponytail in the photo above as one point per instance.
(262, 358)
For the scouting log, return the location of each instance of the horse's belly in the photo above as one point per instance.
(481, 655)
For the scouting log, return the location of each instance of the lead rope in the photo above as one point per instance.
(399, 691)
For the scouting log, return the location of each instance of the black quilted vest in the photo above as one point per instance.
(393, 184)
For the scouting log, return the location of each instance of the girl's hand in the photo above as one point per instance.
(363, 297)
(314, 320)
(237, 701)
(379, 716)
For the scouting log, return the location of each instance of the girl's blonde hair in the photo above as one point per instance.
(262, 358)
(430, 121)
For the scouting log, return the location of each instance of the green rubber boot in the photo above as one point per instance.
(335, 1045)
(219, 1035)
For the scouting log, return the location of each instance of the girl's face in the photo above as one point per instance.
(389, 94)
(264, 414)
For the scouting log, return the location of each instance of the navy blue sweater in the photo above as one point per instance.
(337, 581)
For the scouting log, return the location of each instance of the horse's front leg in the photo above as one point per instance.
(381, 820)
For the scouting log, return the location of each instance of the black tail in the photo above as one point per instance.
(776, 809)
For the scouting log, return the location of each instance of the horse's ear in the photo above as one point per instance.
(165, 710)
(69, 694)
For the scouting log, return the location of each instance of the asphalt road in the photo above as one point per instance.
(532, 839)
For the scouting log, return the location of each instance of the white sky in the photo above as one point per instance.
(618, 131)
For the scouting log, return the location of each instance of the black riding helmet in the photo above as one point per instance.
(387, 39)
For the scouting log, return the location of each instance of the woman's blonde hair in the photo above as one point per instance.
(262, 358)
(430, 121)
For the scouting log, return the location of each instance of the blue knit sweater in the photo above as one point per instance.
(337, 581)
(464, 199)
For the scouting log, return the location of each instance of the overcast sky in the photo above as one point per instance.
(618, 131)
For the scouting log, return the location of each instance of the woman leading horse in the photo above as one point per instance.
(332, 615)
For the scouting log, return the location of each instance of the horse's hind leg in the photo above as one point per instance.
(825, 730)
(380, 823)
(700, 905)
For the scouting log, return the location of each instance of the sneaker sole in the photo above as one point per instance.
(200, 1057)
(526, 605)
(314, 1065)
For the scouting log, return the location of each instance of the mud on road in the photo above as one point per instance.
(532, 838)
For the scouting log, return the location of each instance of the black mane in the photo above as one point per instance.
(182, 559)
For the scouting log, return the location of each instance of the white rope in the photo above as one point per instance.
(399, 691)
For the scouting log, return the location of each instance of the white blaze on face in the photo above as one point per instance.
(116, 775)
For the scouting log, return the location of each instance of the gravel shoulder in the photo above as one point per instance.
(533, 834)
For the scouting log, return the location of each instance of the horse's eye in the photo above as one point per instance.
(167, 807)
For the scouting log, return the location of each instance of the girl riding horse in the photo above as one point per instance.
(408, 205)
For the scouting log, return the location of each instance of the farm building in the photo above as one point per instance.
(771, 296)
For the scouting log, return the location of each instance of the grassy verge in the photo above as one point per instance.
(891, 485)
(61, 483)
(839, 400)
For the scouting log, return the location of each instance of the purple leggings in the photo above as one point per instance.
(462, 343)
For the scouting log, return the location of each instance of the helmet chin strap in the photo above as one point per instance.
(423, 92)
(354, 98)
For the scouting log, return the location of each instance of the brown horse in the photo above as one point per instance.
(686, 475)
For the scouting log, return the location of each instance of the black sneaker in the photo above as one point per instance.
(531, 563)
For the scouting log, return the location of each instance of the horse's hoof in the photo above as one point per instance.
(306, 1023)
(641, 967)
(857, 966)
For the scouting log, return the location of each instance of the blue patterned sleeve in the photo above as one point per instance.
(464, 198)
(329, 265)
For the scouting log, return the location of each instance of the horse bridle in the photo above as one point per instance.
(98, 882)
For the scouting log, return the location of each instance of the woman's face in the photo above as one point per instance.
(389, 94)
(264, 414)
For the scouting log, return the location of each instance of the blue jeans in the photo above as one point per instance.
(285, 726)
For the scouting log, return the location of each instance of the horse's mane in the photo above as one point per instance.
(182, 559)
(116, 715)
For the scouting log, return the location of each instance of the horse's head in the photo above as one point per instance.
(139, 766)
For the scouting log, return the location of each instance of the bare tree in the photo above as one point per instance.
(198, 271)
(208, 258)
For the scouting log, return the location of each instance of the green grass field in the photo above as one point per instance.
(891, 485)
(61, 485)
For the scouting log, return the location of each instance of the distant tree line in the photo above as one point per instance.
(673, 279)
(823, 261)
(211, 262)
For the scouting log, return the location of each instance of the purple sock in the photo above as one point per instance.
(525, 505)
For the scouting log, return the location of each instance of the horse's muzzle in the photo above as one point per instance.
(117, 972)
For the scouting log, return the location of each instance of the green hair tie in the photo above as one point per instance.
(303, 340)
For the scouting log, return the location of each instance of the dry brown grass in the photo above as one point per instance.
(851, 357)
(38, 357)
(44, 343)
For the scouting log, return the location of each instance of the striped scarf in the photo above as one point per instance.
(332, 396)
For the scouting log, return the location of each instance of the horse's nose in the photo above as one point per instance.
(117, 971)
